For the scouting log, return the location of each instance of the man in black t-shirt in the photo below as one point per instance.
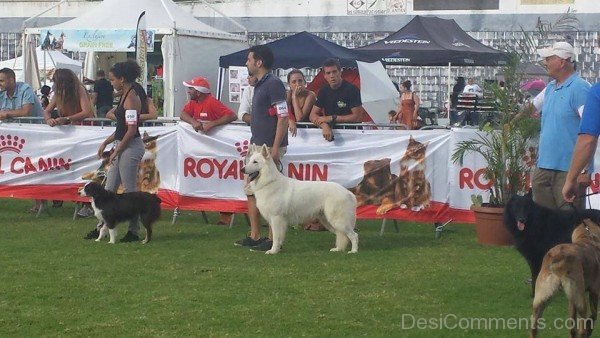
(339, 102)
(103, 94)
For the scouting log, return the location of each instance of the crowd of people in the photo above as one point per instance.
(568, 138)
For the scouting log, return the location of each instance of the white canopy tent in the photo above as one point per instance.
(47, 60)
(189, 47)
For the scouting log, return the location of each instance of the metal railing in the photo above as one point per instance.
(162, 121)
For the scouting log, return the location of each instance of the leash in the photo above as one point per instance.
(577, 210)
(580, 196)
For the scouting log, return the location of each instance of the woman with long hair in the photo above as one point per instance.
(409, 106)
(73, 105)
(300, 100)
(70, 99)
(128, 148)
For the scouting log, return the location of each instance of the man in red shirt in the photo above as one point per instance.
(204, 111)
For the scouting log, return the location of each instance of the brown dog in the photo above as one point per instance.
(575, 268)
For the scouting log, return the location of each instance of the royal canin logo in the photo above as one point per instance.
(11, 143)
(242, 147)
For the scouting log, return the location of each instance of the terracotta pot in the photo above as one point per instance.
(489, 226)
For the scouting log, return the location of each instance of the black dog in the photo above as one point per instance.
(111, 208)
(537, 229)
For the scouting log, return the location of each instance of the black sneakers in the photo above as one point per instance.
(249, 242)
(130, 237)
(263, 246)
(92, 234)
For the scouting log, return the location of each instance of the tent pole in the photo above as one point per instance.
(449, 89)
(45, 70)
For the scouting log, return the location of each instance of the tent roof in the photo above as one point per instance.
(54, 59)
(301, 50)
(162, 16)
(432, 41)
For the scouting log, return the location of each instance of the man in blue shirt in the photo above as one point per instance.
(561, 109)
(17, 99)
(587, 142)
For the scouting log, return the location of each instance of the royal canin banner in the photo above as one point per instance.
(395, 174)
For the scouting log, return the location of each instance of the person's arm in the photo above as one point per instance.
(282, 129)
(315, 113)
(583, 154)
(585, 148)
(417, 106)
(245, 106)
(21, 112)
(132, 106)
(94, 98)
(111, 114)
(47, 113)
(227, 118)
(152, 111)
(302, 112)
(185, 117)
(106, 142)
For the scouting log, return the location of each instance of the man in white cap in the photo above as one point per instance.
(204, 111)
(561, 105)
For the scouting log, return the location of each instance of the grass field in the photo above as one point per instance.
(192, 281)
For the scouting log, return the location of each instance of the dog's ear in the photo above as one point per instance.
(265, 151)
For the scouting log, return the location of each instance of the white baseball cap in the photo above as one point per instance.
(562, 49)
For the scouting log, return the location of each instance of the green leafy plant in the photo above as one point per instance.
(505, 139)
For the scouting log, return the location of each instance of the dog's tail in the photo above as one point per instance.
(549, 280)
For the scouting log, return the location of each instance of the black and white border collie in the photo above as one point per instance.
(111, 208)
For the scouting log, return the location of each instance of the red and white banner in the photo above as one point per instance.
(395, 174)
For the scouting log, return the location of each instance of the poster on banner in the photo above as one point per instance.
(388, 171)
(94, 40)
(238, 82)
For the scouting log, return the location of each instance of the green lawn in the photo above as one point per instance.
(192, 281)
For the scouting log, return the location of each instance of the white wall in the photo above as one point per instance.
(290, 8)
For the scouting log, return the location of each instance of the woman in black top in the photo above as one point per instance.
(128, 148)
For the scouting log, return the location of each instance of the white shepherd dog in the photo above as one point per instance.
(282, 201)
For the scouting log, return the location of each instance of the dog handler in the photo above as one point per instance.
(561, 107)
(128, 147)
(269, 125)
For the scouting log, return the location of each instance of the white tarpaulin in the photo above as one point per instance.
(46, 60)
(203, 172)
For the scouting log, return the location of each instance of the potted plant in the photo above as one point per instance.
(504, 142)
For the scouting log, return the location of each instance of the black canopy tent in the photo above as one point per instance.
(432, 41)
(297, 51)
(302, 50)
